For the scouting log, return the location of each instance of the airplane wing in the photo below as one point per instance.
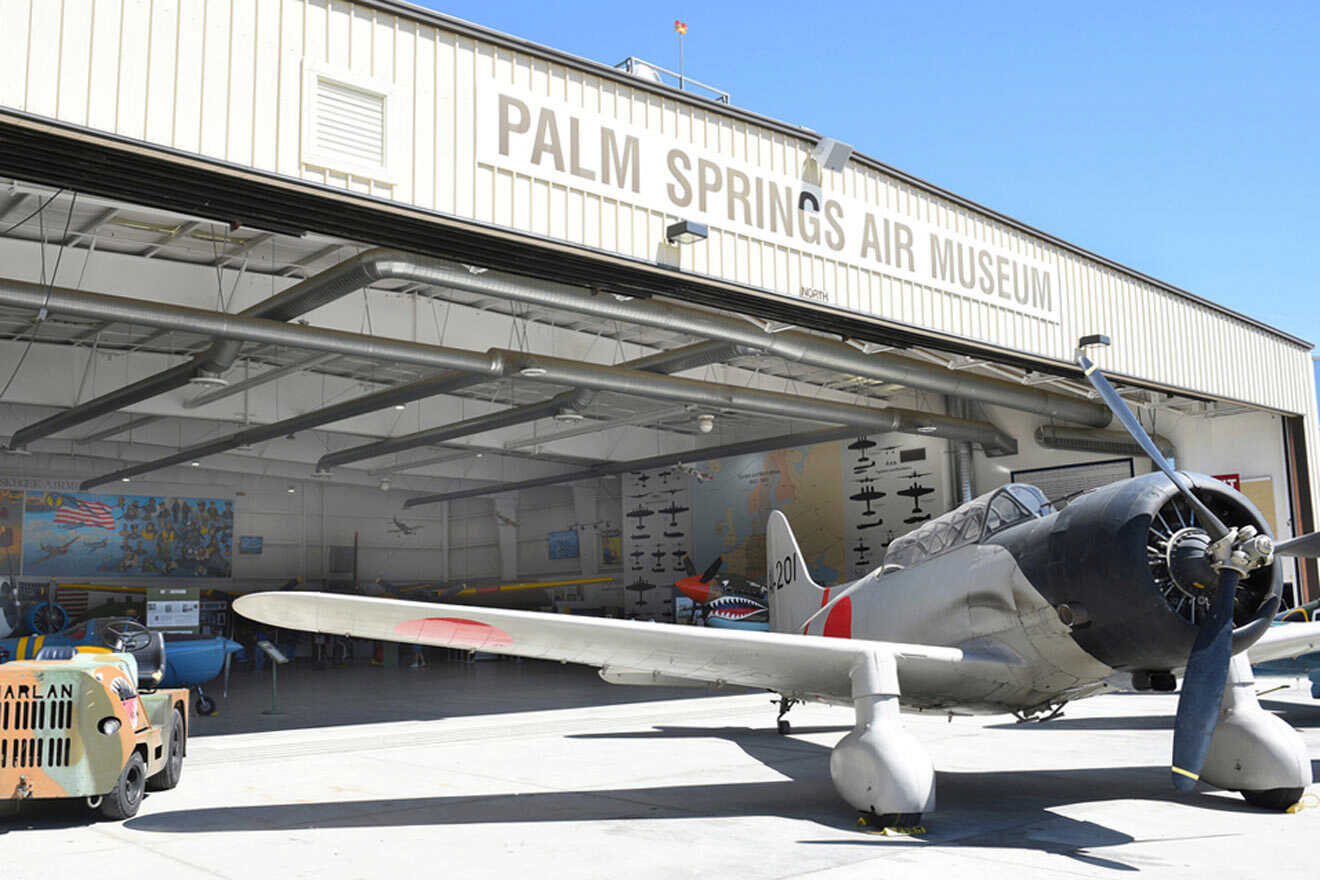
(1285, 640)
(796, 665)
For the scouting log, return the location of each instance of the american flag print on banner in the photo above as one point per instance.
(77, 512)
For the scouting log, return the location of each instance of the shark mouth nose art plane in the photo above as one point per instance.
(1002, 605)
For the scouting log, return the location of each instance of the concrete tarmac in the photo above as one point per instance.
(529, 769)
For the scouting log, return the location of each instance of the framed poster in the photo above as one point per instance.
(611, 548)
(250, 545)
(563, 545)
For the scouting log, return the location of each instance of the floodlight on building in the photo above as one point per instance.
(831, 154)
(706, 423)
(686, 232)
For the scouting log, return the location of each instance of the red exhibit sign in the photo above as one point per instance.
(1234, 480)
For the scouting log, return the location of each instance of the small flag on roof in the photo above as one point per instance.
(680, 26)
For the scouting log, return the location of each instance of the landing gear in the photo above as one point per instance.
(1254, 751)
(879, 768)
(203, 704)
(785, 703)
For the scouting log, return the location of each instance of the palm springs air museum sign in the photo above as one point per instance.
(540, 137)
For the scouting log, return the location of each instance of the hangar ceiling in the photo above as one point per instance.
(532, 429)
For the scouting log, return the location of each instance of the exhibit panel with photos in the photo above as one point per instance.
(79, 534)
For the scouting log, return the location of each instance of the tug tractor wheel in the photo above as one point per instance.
(204, 705)
(168, 777)
(125, 798)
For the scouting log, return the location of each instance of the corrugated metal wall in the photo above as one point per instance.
(223, 78)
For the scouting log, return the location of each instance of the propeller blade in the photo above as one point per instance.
(712, 570)
(1203, 686)
(1119, 408)
(1302, 545)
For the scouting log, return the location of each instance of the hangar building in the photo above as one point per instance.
(416, 299)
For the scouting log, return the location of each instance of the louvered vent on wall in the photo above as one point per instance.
(346, 123)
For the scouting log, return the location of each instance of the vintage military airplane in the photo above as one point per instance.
(1002, 605)
(724, 601)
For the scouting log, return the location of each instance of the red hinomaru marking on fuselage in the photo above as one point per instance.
(838, 623)
(456, 632)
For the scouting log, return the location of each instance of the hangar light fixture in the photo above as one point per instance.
(926, 429)
(290, 490)
(125, 479)
(400, 406)
(685, 232)
(568, 416)
(532, 371)
(706, 423)
(196, 464)
(210, 379)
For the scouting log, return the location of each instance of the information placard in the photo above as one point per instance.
(173, 609)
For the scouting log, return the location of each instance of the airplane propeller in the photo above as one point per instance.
(1228, 552)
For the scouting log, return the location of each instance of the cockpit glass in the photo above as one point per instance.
(1003, 511)
(1032, 498)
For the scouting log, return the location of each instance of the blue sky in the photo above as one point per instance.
(1176, 138)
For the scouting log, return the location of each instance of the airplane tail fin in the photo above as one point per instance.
(793, 595)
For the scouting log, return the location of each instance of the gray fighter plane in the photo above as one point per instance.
(1003, 605)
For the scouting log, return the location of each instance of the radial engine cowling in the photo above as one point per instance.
(1133, 556)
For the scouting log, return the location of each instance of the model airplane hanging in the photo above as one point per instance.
(400, 527)
(999, 606)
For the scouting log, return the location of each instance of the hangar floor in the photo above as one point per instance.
(508, 769)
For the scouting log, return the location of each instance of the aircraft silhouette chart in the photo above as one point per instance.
(640, 514)
(640, 587)
(641, 536)
(673, 510)
(402, 528)
(1001, 606)
(669, 534)
(867, 493)
(916, 492)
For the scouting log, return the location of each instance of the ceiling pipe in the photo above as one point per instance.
(268, 376)
(1100, 442)
(381, 264)
(680, 358)
(791, 345)
(607, 469)
(499, 362)
(672, 361)
(399, 394)
(299, 299)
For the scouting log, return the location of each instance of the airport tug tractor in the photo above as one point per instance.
(90, 723)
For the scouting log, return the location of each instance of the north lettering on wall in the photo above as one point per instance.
(548, 139)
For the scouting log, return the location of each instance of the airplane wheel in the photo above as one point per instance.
(1278, 799)
(204, 705)
(125, 798)
(168, 777)
(785, 728)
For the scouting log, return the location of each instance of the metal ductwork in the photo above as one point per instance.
(673, 361)
(445, 383)
(441, 384)
(501, 362)
(301, 298)
(606, 469)
(1100, 442)
(383, 264)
